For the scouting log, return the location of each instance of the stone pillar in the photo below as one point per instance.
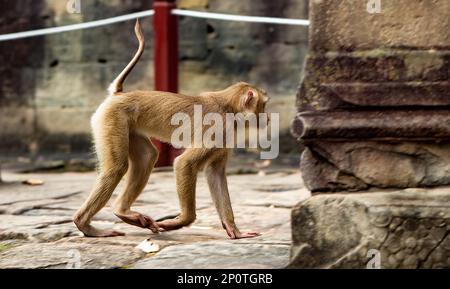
(374, 102)
(374, 112)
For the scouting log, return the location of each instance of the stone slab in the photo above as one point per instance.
(408, 229)
(358, 165)
(36, 230)
(214, 255)
(400, 23)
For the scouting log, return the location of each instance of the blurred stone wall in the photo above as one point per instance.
(49, 86)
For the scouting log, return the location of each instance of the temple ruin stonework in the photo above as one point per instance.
(373, 112)
(51, 85)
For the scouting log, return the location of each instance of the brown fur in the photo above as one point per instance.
(122, 127)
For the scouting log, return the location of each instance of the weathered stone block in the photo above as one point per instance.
(375, 86)
(213, 255)
(411, 125)
(190, 4)
(348, 25)
(408, 229)
(333, 166)
(373, 112)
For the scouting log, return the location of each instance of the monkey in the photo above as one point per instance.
(122, 128)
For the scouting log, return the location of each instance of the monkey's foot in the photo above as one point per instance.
(234, 233)
(139, 220)
(240, 235)
(173, 224)
(90, 231)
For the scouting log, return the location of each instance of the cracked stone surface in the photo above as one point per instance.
(409, 229)
(36, 229)
(337, 166)
(219, 255)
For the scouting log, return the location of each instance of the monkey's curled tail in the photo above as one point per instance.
(116, 85)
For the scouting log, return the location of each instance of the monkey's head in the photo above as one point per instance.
(252, 98)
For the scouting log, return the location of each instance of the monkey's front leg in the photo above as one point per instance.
(217, 182)
(186, 169)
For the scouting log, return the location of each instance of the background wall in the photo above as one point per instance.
(49, 86)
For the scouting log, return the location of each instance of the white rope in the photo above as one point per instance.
(78, 26)
(240, 18)
(180, 12)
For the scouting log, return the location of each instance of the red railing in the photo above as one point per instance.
(165, 26)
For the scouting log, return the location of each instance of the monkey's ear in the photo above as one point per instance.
(248, 98)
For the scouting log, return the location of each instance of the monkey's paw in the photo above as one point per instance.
(90, 231)
(246, 235)
(234, 233)
(171, 224)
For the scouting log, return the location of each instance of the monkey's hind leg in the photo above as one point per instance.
(112, 149)
(142, 158)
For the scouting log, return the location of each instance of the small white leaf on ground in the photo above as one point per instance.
(261, 173)
(263, 164)
(201, 227)
(33, 182)
(148, 246)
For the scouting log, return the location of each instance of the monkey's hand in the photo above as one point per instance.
(234, 233)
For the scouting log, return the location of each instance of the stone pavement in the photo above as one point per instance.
(36, 229)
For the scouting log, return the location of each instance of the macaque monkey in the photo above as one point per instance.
(122, 127)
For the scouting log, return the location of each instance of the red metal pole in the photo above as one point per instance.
(165, 26)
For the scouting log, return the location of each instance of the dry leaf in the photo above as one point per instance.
(148, 246)
(33, 182)
(261, 173)
(200, 227)
(263, 164)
